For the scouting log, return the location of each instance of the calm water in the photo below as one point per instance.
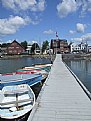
(11, 65)
(82, 68)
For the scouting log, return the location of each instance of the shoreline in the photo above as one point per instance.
(76, 56)
(46, 56)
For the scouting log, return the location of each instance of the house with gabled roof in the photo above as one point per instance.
(14, 48)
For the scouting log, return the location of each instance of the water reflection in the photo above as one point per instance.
(82, 68)
(11, 65)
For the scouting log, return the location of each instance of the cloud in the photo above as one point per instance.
(89, 5)
(12, 24)
(48, 32)
(9, 41)
(18, 5)
(84, 38)
(85, 6)
(66, 7)
(72, 32)
(77, 39)
(80, 27)
(40, 6)
(34, 41)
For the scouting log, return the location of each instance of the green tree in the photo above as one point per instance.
(45, 46)
(34, 46)
(24, 44)
(5, 44)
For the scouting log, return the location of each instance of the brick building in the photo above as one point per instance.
(59, 46)
(15, 48)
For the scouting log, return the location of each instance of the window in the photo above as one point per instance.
(17, 47)
(10, 47)
(10, 51)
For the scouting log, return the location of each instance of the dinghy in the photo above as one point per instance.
(16, 101)
(16, 79)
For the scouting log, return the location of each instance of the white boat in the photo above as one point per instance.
(16, 101)
(16, 79)
(46, 67)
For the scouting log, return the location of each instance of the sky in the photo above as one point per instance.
(40, 20)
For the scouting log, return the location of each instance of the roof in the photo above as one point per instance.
(17, 43)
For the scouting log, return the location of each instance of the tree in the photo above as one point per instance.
(34, 47)
(5, 44)
(45, 46)
(24, 44)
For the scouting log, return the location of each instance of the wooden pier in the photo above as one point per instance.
(62, 97)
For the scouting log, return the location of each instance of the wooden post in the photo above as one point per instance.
(17, 101)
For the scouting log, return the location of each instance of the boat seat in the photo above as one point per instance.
(14, 102)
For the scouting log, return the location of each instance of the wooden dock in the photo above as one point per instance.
(62, 98)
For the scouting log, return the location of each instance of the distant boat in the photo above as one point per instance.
(16, 79)
(27, 71)
(45, 67)
(16, 102)
(43, 70)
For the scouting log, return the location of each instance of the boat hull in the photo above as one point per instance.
(30, 79)
(22, 118)
(16, 103)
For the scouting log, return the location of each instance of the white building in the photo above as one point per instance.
(89, 49)
(37, 51)
(82, 47)
(29, 49)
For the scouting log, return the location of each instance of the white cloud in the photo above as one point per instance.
(48, 32)
(89, 5)
(34, 41)
(84, 38)
(24, 5)
(9, 41)
(85, 6)
(80, 27)
(72, 32)
(77, 39)
(12, 24)
(40, 6)
(66, 7)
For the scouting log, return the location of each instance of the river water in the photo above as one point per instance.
(11, 65)
(82, 68)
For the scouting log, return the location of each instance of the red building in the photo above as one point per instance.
(15, 48)
(59, 46)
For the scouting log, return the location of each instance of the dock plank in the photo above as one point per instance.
(61, 97)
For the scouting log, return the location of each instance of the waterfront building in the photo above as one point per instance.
(89, 49)
(76, 48)
(15, 48)
(59, 46)
(37, 51)
(29, 49)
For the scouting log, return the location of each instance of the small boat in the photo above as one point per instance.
(16, 102)
(27, 71)
(44, 73)
(16, 79)
(45, 67)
